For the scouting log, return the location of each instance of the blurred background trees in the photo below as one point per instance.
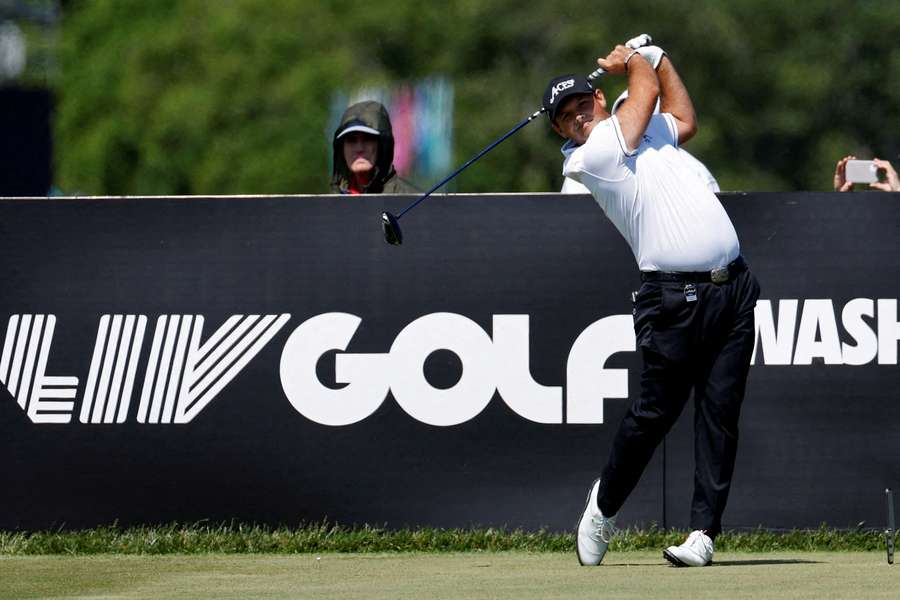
(233, 97)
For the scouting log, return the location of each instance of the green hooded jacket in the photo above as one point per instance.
(386, 181)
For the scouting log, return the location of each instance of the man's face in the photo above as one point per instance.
(360, 152)
(578, 115)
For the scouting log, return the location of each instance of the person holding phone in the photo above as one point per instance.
(849, 171)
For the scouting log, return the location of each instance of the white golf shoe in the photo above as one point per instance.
(696, 551)
(593, 532)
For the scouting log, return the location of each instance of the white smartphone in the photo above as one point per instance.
(861, 171)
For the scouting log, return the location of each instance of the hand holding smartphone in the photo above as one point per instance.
(878, 174)
(861, 171)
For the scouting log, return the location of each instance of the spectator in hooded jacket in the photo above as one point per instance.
(364, 153)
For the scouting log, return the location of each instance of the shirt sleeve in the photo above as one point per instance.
(600, 156)
(670, 128)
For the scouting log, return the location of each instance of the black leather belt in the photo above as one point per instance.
(720, 275)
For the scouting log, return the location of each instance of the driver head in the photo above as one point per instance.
(391, 227)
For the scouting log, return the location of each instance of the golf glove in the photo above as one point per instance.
(639, 41)
(642, 43)
(653, 54)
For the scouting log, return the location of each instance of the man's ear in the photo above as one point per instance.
(557, 129)
(600, 97)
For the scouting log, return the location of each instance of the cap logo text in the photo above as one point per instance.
(562, 85)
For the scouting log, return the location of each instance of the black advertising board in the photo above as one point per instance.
(26, 141)
(271, 359)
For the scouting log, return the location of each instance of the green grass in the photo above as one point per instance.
(496, 575)
(323, 537)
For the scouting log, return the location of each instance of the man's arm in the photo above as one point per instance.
(675, 100)
(643, 89)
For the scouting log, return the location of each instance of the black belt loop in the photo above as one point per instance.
(722, 275)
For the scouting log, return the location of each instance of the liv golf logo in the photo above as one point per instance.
(182, 376)
(185, 371)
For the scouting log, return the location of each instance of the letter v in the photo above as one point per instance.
(213, 365)
(192, 373)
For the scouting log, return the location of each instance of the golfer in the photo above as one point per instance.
(693, 315)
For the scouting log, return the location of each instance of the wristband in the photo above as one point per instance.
(627, 58)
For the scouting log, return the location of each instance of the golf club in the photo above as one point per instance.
(389, 222)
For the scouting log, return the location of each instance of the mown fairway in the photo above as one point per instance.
(469, 575)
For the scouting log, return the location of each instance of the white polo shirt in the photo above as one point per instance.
(667, 214)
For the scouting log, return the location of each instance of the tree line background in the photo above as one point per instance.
(232, 97)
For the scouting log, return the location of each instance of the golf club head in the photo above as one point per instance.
(392, 233)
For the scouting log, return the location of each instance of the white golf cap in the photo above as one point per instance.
(360, 128)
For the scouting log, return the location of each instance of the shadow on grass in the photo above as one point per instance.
(729, 563)
(765, 561)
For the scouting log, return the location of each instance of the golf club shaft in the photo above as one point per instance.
(470, 161)
(600, 71)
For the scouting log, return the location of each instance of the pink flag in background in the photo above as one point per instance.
(402, 120)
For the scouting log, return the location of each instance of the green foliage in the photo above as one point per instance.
(197, 97)
(326, 537)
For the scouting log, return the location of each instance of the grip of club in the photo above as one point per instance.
(645, 42)
(596, 74)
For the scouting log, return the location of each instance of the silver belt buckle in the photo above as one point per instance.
(719, 275)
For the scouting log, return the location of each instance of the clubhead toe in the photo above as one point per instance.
(392, 233)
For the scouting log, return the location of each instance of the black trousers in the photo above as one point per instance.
(705, 345)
